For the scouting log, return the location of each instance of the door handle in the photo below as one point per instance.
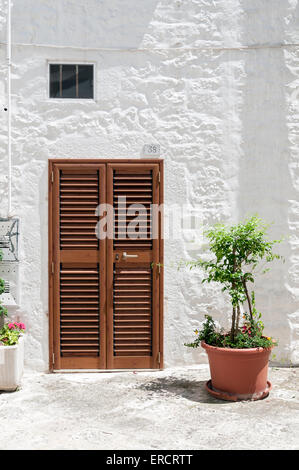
(125, 255)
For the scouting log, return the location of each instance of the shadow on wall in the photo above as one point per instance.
(265, 187)
(83, 23)
(43, 212)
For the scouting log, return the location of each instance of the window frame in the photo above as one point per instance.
(71, 62)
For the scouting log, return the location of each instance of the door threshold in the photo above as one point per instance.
(97, 371)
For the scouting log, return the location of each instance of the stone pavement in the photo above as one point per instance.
(167, 409)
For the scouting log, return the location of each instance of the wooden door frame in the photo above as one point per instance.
(52, 162)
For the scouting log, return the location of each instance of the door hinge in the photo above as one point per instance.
(52, 267)
(159, 357)
(52, 177)
(53, 358)
(159, 177)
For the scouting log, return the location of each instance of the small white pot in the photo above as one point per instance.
(11, 365)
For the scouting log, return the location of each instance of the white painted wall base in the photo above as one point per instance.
(11, 366)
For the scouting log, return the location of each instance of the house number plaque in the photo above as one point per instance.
(151, 150)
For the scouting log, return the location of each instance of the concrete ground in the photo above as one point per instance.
(168, 409)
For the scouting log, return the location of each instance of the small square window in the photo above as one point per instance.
(71, 81)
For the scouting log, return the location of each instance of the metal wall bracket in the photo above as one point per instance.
(9, 239)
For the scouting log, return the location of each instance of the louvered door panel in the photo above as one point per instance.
(133, 276)
(79, 267)
(132, 319)
(79, 311)
(132, 195)
(78, 198)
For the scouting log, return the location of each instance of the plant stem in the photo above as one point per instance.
(248, 299)
(232, 331)
(238, 318)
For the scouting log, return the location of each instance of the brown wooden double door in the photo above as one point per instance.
(105, 256)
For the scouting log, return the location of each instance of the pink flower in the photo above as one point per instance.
(16, 325)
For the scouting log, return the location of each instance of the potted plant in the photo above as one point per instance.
(11, 349)
(238, 358)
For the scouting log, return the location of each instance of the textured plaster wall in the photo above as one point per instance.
(173, 72)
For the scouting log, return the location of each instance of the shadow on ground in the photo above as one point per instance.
(193, 390)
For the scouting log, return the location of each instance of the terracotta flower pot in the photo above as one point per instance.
(238, 374)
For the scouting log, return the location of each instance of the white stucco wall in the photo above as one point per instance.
(173, 72)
